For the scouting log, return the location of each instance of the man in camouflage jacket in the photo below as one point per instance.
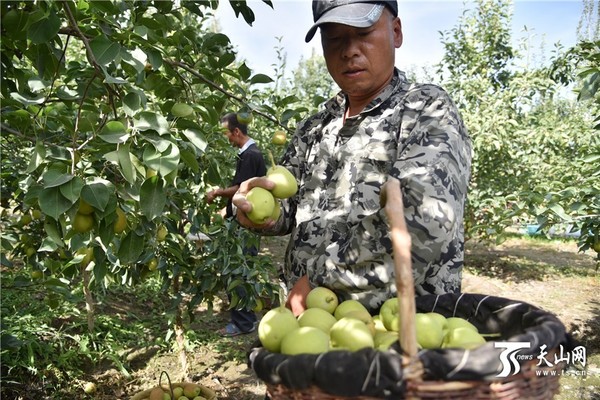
(342, 156)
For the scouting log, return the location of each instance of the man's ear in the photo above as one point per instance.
(398, 37)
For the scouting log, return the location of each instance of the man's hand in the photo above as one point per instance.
(244, 207)
(296, 300)
(210, 196)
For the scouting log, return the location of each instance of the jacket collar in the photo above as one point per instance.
(337, 104)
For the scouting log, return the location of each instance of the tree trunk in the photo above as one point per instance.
(180, 332)
(89, 298)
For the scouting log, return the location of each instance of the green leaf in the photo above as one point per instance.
(155, 58)
(127, 168)
(559, 211)
(37, 158)
(131, 248)
(190, 160)
(261, 78)
(104, 6)
(196, 138)
(114, 132)
(213, 41)
(82, 5)
(105, 51)
(240, 7)
(27, 101)
(152, 197)
(225, 60)
(135, 58)
(148, 120)
(132, 103)
(52, 229)
(97, 193)
(55, 177)
(53, 203)
(64, 93)
(164, 162)
(244, 71)
(72, 189)
(44, 30)
(48, 245)
(108, 78)
(214, 174)
(47, 62)
(159, 143)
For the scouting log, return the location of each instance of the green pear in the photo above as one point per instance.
(177, 392)
(322, 297)
(276, 210)
(263, 204)
(457, 322)
(463, 337)
(429, 331)
(305, 340)
(89, 387)
(364, 316)
(191, 390)
(273, 327)
(347, 306)
(439, 318)
(350, 334)
(279, 138)
(285, 183)
(379, 326)
(181, 110)
(389, 314)
(317, 318)
(384, 339)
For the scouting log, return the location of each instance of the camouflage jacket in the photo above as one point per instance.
(338, 231)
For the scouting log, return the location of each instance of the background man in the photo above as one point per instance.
(250, 163)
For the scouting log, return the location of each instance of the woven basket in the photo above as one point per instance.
(205, 392)
(530, 382)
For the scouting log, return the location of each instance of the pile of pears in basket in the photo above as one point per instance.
(328, 325)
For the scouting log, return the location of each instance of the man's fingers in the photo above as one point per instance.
(262, 182)
(239, 199)
(244, 207)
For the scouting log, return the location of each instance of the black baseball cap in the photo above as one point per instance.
(357, 13)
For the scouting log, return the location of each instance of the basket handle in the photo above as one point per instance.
(168, 379)
(391, 201)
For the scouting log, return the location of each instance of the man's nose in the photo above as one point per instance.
(350, 47)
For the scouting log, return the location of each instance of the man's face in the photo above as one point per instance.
(361, 60)
(232, 136)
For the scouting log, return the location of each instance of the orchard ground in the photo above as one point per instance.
(552, 275)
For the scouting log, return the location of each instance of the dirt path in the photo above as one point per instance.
(552, 276)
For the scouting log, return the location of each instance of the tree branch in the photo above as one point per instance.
(84, 39)
(218, 88)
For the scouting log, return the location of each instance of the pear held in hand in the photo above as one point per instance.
(285, 183)
(263, 205)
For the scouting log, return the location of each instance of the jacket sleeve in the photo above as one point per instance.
(433, 165)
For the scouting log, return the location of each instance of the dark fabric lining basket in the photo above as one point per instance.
(433, 374)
